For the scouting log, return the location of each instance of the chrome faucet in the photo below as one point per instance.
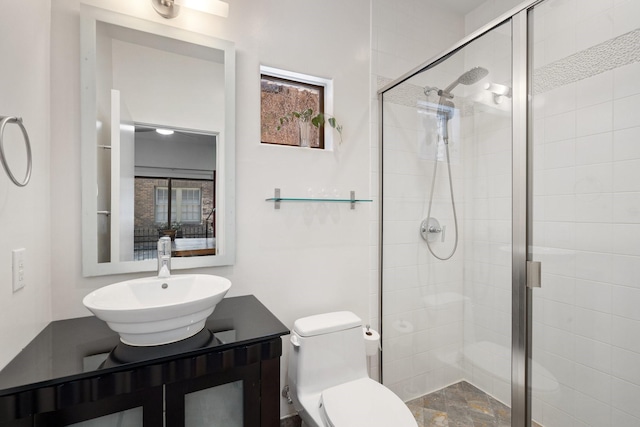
(164, 257)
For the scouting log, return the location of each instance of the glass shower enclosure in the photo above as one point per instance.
(509, 162)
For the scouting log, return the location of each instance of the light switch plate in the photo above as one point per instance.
(18, 269)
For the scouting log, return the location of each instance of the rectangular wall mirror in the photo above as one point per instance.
(158, 144)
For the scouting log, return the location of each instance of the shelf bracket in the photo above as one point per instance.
(353, 199)
(276, 196)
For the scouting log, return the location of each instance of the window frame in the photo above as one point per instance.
(305, 80)
(178, 205)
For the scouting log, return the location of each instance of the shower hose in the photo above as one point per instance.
(453, 203)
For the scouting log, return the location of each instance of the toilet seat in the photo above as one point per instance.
(364, 402)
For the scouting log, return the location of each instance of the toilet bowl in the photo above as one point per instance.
(328, 377)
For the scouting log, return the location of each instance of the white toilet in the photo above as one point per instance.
(328, 378)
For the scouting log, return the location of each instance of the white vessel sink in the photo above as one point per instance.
(154, 311)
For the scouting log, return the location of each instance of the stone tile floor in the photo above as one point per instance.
(460, 405)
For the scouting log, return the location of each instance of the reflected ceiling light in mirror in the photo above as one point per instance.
(171, 8)
(162, 131)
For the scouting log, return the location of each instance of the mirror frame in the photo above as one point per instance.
(225, 232)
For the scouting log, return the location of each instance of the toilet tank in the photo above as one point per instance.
(326, 350)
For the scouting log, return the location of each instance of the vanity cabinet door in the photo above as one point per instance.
(23, 422)
(139, 409)
(229, 398)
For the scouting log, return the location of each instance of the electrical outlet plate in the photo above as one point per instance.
(18, 269)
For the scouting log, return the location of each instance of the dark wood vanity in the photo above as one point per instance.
(77, 370)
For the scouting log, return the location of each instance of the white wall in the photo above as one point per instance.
(24, 212)
(486, 12)
(302, 259)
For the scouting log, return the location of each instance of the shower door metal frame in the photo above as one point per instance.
(522, 207)
(520, 220)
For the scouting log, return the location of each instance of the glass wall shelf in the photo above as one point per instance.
(277, 199)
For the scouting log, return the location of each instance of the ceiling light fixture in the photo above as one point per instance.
(171, 8)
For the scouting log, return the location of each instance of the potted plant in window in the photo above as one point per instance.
(305, 119)
(170, 231)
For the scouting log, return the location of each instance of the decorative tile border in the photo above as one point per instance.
(611, 54)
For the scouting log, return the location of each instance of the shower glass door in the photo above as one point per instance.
(447, 233)
(586, 212)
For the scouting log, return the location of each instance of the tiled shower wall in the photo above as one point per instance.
(486, 354)
(404, 34)
(587, 213)
(423, 304)
(449, 320)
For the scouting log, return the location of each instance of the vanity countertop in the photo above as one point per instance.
(74, 349)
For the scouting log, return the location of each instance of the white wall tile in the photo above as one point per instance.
(594, 119)
(626, 270)
(626, 208)
(593, 237)
(626, 301)
(626, 176)
(593, 295)
(622, 419)
(626, 80)
(625, 16)
(625, 396)
(625, 239)
(595, 29)
(592, 353)
(565, 181)
(625, 112)
(592, 324)
(592, 149)
(560, 154)
(591, 410)
(594, 207)
(560, 127)
(559, 100)
(595, 90)
(560, 208)
(558, 288)
(625, 333)
(625, 144)
(594, 178)
(555, 417)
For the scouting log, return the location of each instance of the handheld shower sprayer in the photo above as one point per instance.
(446, 107)
(444, 113)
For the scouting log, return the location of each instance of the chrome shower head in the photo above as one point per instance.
(468, 78)
(473, 75)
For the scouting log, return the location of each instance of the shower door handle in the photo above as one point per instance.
(534, 274)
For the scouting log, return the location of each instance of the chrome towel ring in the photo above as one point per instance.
(17, 120)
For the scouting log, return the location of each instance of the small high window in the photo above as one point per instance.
(284, 96)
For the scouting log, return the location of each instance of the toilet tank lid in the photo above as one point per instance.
(326, 323)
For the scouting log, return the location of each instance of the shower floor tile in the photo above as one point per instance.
(460, 405)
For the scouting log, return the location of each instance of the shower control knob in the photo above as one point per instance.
(429, 228)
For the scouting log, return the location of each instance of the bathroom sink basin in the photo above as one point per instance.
(155, 311)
